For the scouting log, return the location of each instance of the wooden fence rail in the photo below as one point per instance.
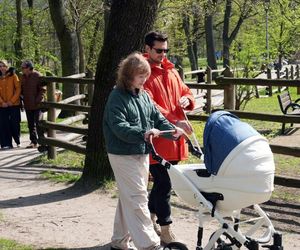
(222, 83)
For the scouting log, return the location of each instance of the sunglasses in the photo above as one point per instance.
(159, 51)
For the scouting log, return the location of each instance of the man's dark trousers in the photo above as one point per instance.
(33, 117)
(14, 122)
(159, 198)
(5, 131)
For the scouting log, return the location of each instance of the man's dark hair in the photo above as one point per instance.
(28, 64)
(153, 36)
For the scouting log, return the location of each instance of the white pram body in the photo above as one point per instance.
(238, 172)
(245, 177)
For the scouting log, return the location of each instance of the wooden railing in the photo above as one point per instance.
(223, 83)
(81, 113)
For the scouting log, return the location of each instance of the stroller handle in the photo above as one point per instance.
(156, 156)
(193, 149)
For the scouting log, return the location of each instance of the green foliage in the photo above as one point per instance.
(40, 43)
(13, 245)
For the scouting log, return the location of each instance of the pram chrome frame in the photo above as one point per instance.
(208, 212)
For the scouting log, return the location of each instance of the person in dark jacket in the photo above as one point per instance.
(129, 119)
(33, 93)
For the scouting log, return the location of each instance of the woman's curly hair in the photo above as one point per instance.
(131, 66)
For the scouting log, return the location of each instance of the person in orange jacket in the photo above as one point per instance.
(171, 96)
(10, 116)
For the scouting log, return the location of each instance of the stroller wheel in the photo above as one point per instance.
(176, 245)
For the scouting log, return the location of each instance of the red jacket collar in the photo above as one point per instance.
(166, 64)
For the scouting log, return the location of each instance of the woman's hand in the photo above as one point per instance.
(154, 132)
(179, 132)
(185, 125)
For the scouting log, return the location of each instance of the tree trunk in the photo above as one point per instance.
(191, 55)
(82, 69)
(93, 43)
(81, 53)
(127, 25)
(210, 43)
(228, 39)
(19, 34)
(226, 45)
(196, 29)
(69, 47)
(34, 33)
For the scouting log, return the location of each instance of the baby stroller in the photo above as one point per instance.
(238, 172)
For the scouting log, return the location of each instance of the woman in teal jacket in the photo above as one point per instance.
(129, 119)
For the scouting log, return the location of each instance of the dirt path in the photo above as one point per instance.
(38, 212)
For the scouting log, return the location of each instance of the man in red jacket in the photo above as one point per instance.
(171, 96)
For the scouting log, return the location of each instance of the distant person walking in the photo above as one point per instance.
(10, 116)
(33, 94)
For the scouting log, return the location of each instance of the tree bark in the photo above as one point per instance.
(18, 44)
(228, 39)
(210, 43)
(34, 32)
(93, 42)
(68, 44)
(191, 55)
(127, 25)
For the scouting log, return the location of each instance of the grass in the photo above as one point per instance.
(57, 177)
(66, 159)
(24, 127)
(13, 245)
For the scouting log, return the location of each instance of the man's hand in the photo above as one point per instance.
(4, 105)
(9, 104)
(155, 132)
(185, 125)
(184, 102)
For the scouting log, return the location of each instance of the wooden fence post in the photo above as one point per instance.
(51, 117)
(278, 77)
(297, 77)
(208, 91)
(292, 72)
(89, 74)
(287, 73)
(269, 76)
(229, 91)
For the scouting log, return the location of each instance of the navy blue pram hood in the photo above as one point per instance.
(222, 133)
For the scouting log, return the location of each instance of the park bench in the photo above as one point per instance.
(287, 106)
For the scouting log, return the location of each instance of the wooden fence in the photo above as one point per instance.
(81, 112)
(227, 84)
